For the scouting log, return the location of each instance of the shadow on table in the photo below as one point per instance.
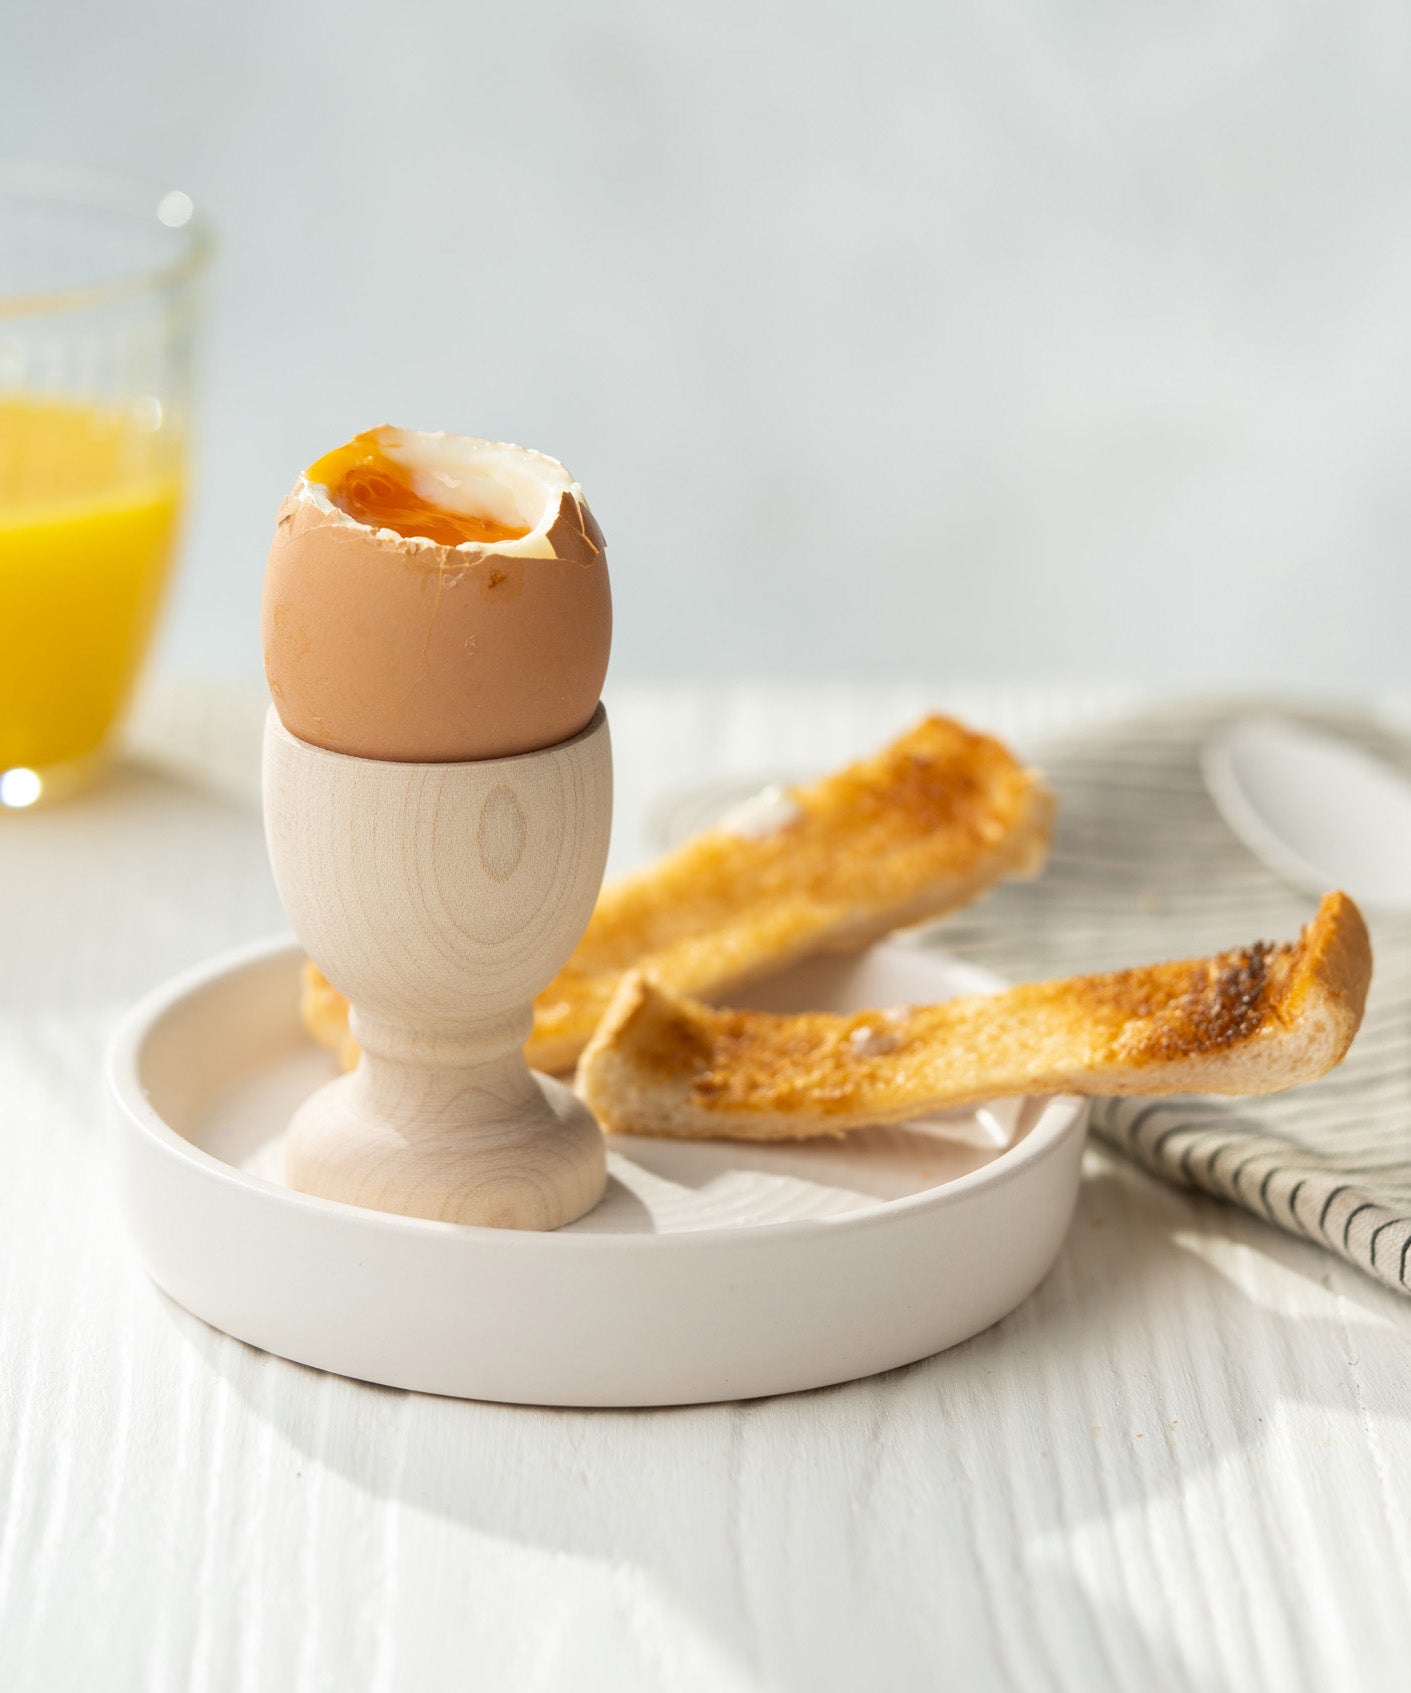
(958, 1512)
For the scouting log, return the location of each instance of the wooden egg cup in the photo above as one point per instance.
(440, 898)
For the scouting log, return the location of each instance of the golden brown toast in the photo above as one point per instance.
(1257, 1020)
(325, 1014)
(927, 825)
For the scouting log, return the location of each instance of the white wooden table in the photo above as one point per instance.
(1184, 1463)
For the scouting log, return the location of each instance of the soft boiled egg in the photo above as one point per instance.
(432, 598)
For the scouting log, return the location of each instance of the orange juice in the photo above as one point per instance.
(89, 501)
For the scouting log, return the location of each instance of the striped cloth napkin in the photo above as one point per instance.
(1143, 868)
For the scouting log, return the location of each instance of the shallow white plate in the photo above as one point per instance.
(709, 1271)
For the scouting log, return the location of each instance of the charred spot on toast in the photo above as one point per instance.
(1227, 999)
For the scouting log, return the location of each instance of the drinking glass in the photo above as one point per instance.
(100, 284)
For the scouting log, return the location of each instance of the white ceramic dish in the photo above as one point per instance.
(710, 1270)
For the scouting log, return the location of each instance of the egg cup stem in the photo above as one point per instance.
(441, 898)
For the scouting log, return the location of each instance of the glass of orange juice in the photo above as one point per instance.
(99, 298)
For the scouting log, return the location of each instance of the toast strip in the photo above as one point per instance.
(927, 825)
(1257, 1020)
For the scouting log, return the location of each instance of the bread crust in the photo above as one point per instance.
(927, 825)
(1255, 1020)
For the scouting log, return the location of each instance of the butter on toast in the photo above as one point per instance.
(927, 825)
(1251, 1021)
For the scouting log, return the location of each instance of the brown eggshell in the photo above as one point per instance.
(393, 649)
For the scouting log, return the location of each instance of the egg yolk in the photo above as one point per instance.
(360, 479)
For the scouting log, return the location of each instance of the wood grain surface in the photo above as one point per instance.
(1183, 1464)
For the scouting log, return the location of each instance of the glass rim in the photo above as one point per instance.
(138, 197)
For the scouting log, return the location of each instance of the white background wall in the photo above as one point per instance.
(957, 339)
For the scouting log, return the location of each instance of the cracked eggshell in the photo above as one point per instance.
(383, 647)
